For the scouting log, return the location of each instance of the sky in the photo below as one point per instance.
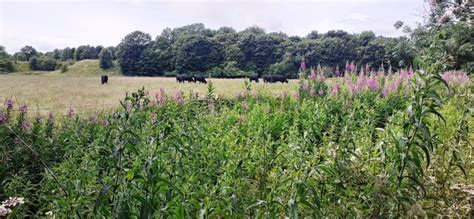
(50, 24)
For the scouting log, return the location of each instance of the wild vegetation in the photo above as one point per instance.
(348, 138)
(363, 145)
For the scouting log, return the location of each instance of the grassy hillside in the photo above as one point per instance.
(88, 68)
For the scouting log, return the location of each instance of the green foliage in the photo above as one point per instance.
(253, 156)
(6, 62)
(6, 65)
(28, 52)
(42, 63)
(106, 59)
(198, 54)
(67, 54)
(130, 52)
(64, 68)
(85, 52)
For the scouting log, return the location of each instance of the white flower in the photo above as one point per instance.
(4, 211)
(13, 201)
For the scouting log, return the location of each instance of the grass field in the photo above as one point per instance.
(57, 92)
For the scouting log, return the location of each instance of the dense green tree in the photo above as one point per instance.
(87, 52)
(260, 51)
(198, 54)
(105, 59)
(67, 54)
(29, 52)
(130, 51)
(197, 49)
(42, 63)
(20, 56)
(6, 62)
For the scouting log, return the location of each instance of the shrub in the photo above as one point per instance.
(43, 63)
(6, 65)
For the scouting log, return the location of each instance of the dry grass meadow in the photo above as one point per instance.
(55, 93)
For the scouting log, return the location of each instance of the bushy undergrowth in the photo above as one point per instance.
(359, 146)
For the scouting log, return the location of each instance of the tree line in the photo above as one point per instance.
(225, 52)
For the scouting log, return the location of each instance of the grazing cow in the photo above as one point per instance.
(275, 78)
(200, 79)
(104, 79)
(253, 77)
(267, 79)
(279, 78)
(183, 78)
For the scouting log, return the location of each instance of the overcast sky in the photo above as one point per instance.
(47, 25)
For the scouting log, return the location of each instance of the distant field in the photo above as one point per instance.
(56, 92)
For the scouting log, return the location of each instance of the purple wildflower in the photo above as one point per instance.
(321, 92)
(353, 67)
(320, 78)
(334, 89)
(25, 125)
(367, 68)
(312, 92)
(313, 74)
(305, 85)
(254, 94)
(70, 112)
(24, 108)
(372, 84)
(9, 104)
(455, 77)
(3, 118)
(302, 65)
(179, 98)
(318, 69)
(296, 95)
(337, 73)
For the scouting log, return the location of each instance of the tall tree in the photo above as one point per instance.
(105, 59)
(130, 51)
(29, 52)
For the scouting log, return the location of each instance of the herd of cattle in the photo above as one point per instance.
(266, 78)
(201, 79)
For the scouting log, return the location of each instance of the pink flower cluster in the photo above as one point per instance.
(362, 83)
(303, 65)
(335, 89)
(455, 77)
(160, 97)
(179, 98)
(391, 87)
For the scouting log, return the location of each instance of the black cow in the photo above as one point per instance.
(275, 78)
(267, 79)
(200, 79)
(279, 78)
(104, 79)
(253, 77)
(183, 78)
